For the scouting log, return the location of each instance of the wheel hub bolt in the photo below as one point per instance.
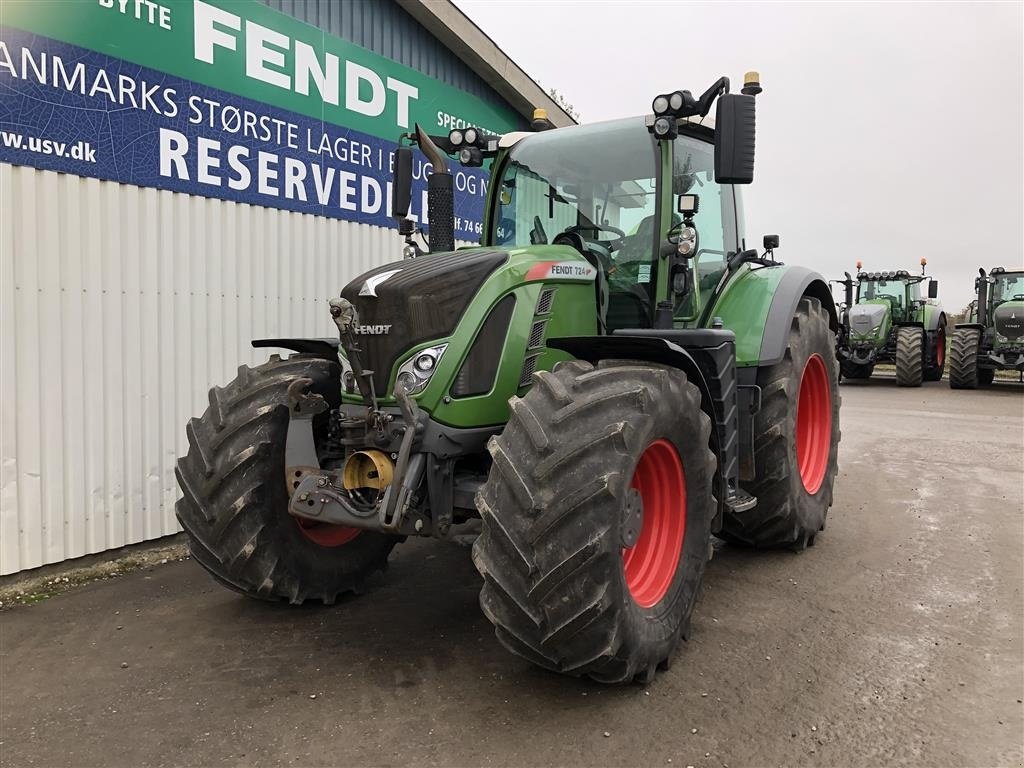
(632, 519)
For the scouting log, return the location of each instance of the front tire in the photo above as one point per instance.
(796, 440)
(596, 519)
(963, 359)
(234, 505)
(909, 356)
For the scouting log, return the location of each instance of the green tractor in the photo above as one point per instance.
(607, 381)
(887, 321)
(992, 339)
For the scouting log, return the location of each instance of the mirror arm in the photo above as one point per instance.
(720, 86)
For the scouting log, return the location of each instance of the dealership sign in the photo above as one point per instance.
(222, 99)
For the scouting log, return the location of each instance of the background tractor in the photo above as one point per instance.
(992, 339)
(885, 320)
(610, 378)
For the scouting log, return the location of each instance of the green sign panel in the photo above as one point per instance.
(245, 48)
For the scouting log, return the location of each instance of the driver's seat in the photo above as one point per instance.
(637, 246)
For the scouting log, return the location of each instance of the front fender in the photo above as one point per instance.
(759, 304)
(325, 348)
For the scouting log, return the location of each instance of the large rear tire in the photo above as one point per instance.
(796, 440)
(852, 370)
(593, 460)
(963, 358)
(936, 354)
(234, 505)
(909, 356)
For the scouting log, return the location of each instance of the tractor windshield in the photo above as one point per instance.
(596, 180)
(1007, 286)
(893, 291)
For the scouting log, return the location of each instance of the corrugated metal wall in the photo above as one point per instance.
(119, 308)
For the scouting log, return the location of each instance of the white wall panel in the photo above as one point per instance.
(119, 308)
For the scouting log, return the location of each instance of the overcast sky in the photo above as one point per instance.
(886, 132)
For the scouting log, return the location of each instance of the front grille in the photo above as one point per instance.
(424, 300)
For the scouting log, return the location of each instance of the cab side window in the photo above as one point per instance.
(715, 220)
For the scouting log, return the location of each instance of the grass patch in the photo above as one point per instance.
(42, 584)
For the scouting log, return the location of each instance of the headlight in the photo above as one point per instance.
(687, 241)
(414, 374)
(665, 127)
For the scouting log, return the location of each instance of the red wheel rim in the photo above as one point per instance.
(326, 535)
(650, 565)
(940, 348)
(813, 424)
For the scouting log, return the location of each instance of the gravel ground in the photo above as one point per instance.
(897, 640)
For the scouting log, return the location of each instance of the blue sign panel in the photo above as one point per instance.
(67, 109)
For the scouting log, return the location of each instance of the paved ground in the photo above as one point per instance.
(897, 640)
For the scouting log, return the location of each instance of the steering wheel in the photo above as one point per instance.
(579, 229)
(599, 249)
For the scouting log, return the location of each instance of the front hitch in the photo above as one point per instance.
(325, 495)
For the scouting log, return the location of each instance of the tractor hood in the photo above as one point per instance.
(1008, 319)
(866, 319)
(405, 303)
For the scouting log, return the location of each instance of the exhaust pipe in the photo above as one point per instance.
(440, 195)
(982, 298)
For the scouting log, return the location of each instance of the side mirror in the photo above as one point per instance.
(771, 242)
(734, 139)
(401, 185)
(933, 289)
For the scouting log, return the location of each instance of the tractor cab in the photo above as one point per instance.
(1006, 286)
(894, 289)
(604, 190)
(648, 202)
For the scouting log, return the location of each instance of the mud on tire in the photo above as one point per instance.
(234, 505)
(551, 549)
(787, 513)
